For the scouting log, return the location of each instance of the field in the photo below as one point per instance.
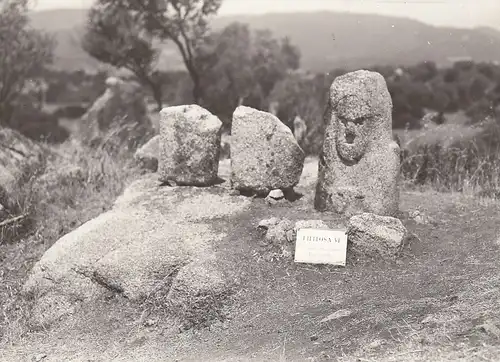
(439, 302)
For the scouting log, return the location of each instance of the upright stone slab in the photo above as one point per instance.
(359, 163)
(264, 153)
(189, 145)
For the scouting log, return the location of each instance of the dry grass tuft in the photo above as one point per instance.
(76, 184)
(455, 162)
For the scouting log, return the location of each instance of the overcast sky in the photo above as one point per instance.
(458, 13)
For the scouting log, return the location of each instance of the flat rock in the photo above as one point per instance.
(264, 153)
(190, 138)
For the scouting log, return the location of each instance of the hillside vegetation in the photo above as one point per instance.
(332, 40)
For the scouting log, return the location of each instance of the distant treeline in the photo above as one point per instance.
(467, 86)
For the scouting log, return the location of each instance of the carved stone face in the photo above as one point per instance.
(353, 125)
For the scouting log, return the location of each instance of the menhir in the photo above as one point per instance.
(359, 161)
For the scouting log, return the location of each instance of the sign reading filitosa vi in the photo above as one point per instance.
(317, 246)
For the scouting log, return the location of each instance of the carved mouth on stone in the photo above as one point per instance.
(349, 137)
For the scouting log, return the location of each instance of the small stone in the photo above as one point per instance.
(277, 234)
(39, 357)
(147, 155)
(271, 201)
(150, 323)
(421, 218)
(429, 319)
(276, 194)
(375, 344)
(314, 338)
(383, 235)
(337, 315)
(265, 224)
(234, 193)
(171, 183)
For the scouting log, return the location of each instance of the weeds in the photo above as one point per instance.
(76, 184)
(465, 165)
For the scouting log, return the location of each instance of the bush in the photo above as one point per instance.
(38, 125)
(71, 111)
(471, 164)
(77, 184)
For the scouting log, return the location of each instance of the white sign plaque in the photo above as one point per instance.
(317, 246)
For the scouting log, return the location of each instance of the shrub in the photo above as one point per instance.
(468, 164)
(37, 124)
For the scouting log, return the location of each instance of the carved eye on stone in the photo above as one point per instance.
(359, 121)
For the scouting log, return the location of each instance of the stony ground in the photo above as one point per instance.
(439, 302)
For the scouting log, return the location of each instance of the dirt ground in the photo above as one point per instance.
(439, 302)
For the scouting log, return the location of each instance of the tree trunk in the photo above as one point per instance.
(156, 87)
(158, 96)
(197, 93)
(197, 87)
(6, 112)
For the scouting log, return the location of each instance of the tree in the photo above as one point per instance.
(424, 71)
(184, 22)
(240, 67)
(24, 53)
(305, 96)
(273, 59)
(225, 62)
(113, 37)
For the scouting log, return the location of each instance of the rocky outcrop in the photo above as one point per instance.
(152, 235)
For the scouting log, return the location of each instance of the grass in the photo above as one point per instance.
(448, 158)
(450, 279)
(77, 184)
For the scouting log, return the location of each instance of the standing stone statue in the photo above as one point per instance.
(359, 163)
(189, 146)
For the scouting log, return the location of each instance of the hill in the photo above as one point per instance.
(327, 40)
